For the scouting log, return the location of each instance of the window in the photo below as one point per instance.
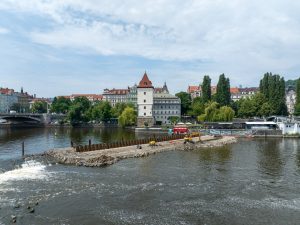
(144, 107)
(144, 114)
(144, 100)
(144, 93)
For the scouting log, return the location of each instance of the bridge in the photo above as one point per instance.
(30, 118)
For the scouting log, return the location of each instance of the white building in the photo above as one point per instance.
(290, 99)
(145, 91)
(114, 96)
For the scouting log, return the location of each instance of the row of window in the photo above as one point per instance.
(166, 101)
(165, 112)
(166, 107)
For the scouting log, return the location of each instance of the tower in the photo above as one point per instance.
(145, 92)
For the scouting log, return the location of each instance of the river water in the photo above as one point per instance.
(255, 181)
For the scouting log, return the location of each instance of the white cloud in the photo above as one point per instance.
(3, 30)
(234, 36)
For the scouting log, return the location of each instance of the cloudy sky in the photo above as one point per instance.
(59, 47)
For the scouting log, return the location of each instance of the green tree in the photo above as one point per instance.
(80, 110)
(128, 117)
(60, 105)
(174, 119)
(223, 91)
(16, 107)
(198, 107)
(273, 88)
(213, 113)
(226, 113)
(206, 89)
(185, 102)
(119, 108)
(247, 108)
(39, 107)
(297, 104)
(102, 111)
(265, 109)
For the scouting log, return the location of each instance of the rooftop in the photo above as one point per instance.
(145, 82)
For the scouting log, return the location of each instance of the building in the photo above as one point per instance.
(165, 106)
(11, 100)
(156, 105)
(145, 92)
(90, 97)
(47, 100)
(290, 99)
(114, 96)
(194, 91)
(238, 93)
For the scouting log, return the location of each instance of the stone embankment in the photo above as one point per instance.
(109, 156)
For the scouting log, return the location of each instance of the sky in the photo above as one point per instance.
(62, 47)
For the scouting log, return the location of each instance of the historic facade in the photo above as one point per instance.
(114, 96)
(165, 106)
(155, 105)
(145, 91)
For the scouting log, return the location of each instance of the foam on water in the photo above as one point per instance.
(29, 170)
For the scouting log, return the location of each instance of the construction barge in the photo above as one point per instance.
(107, 154)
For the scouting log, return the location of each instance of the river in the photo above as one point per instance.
(255, 181)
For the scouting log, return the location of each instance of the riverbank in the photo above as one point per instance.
(110, 156)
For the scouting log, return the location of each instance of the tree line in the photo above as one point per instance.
(82, 110)
(270, 100)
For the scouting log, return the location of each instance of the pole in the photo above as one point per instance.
(23, 149)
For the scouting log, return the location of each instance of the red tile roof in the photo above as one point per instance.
(116, 91)
(6, 91)
(234, 90)
(145, 82)
(192, 89)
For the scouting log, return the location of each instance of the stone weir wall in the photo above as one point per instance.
(104, 157)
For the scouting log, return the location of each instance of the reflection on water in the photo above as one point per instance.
(270, 158)
(38, 140)
(255, 181)
(216, 155)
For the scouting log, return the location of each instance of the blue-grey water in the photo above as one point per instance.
(255, 181)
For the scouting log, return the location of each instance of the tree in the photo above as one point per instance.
(198, 107)
(39, 107)
(102, 111)
(60, 105)
(80, 110)
(185, 102)
(226, 113)
(247, 109)
(273, 88)
(206, 89)
(119, 108)
(76, 114)
(265, 109)
(16, 107)
(297, 103)
(174, 119)
(223, 91)
(128, 117)
(213, 113)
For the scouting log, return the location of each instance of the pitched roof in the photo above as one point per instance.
(234, 90)
(145, 82)
(116, 91)
(192, 89)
